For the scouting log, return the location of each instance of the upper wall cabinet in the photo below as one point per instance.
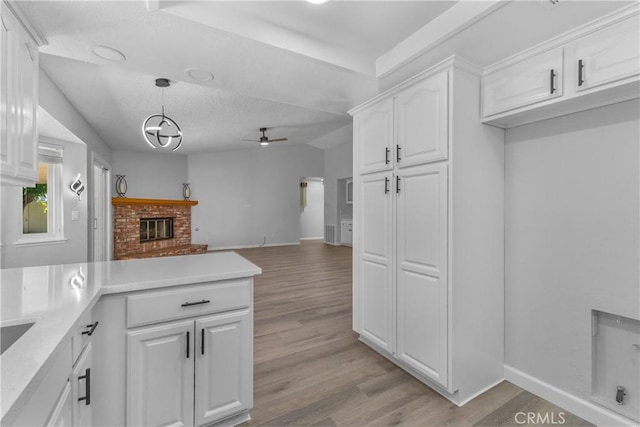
(606, 56)
(19, 102)
(599, 64)
(531, 81)
(407, 129)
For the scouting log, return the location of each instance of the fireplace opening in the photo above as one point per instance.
(152, 229)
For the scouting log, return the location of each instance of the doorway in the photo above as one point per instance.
(311, 208)
(101, 195)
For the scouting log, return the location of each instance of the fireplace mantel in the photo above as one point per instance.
(152, 202)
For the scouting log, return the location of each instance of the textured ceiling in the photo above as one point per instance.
(285, 65)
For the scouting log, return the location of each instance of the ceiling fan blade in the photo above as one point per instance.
(278, 140)
(250, 140)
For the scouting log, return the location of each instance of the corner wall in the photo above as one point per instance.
(572, 239)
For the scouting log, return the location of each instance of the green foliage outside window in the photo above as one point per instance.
(35, 194)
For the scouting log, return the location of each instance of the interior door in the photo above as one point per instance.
(224, 367)
(376, 291)
(422, 300)
(160, 371)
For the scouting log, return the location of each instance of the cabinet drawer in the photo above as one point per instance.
(195, 300)
(81, 336)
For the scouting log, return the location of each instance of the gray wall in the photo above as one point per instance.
(150, 175)
(572, 238)
(246, 195)
(71, 251)
(338, 162)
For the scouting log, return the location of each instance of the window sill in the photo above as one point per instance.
(40, 241)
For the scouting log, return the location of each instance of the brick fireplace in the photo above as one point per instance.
(136, 220)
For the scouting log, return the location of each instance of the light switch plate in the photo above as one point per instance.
(75, 215)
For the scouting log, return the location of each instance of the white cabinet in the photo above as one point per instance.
(180, 356)
(375, 137)
(224, 366)
(525, 83)
(160, 375)
(421, 270)
(592, 66)
(607, 55)
(422, 122)
(375, 261)
(428, 236)
(81, 388)
(19, 102)
(346, 232)
(62, 414)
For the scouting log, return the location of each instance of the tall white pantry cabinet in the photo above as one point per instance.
(428, 250)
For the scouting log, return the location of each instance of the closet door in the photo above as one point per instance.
(421, 271)
(376, 261)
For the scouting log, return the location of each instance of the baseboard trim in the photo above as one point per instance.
(312, 238)
(590, 411)
(268, 245)
(478, 393)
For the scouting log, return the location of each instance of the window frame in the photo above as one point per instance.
(55, 202)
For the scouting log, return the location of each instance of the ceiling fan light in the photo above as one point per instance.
(264, 143)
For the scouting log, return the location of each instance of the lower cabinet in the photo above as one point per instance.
(162, 360)
(62, 413)
(81, 389)
(178, 356)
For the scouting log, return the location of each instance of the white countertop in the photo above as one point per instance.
(50, 297)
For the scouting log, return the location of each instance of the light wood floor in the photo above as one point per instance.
(310, 369)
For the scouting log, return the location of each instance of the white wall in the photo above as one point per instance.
(572, 238)
(58, 106)
(338, 162)
(71, 251)
(312, 216)
(246, 195)
(150, 175)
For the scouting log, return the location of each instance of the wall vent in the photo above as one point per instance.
(330, 234)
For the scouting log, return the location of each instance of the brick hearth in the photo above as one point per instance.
(126, 217)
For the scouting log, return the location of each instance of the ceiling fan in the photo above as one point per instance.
(264, 139)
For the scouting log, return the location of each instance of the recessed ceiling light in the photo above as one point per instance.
(108, 53)
(318, 1)
(200, 75)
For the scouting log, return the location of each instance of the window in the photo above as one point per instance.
(42, 203)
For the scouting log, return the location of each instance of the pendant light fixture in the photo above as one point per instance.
(159, 130)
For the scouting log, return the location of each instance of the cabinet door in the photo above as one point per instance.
(62, 413)
(160, 368)
(607, 55)
(224, 367)
(81, 388)
(376, 261)
(373, 132)
(27, 101)
(422, 122)
(8, 42)
(421, 271)
(528, 82)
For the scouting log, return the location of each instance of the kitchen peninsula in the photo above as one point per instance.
(119, 342)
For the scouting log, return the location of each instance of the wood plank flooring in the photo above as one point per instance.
(310, 369)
